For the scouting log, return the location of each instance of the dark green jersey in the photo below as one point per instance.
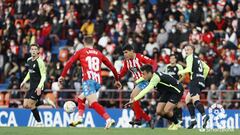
(173, 70)
(167, 80)
(161, 82)
(196, 67)
(36, 73)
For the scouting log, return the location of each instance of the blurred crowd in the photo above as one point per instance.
(155, 28)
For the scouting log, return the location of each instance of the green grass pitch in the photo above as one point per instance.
(101, 131)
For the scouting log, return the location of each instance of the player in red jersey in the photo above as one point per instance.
(91, 60)
(133, 62)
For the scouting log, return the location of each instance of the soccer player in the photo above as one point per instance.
(133, 62)
(198, 71)
(37, 76)
(91, 60)
(172, 69)
(170, 91)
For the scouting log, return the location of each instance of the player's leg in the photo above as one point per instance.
(93, 103)
(173, 100)
(168, 110)
(200, 108)
(25, 103)
(81, 105)
(195, 90)
(178, 111)
(139, 112)
(32, 105)
(191, 110)
(91, 97)
(81, 109)
(160, 108)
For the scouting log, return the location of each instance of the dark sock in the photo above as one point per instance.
(200, 107)
(39, 102)
(179, 113)
(191, 110)
(172, 119)
(36, 115)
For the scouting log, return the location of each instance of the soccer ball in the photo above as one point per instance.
(69, 106)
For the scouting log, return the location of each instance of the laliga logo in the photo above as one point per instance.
(217, 112)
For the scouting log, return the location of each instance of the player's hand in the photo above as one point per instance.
(179, 74)
(118, 84)
(129, 103)
(22, 86)
(38, 91)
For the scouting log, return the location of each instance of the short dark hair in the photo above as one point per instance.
(128, 48)
(147, 68)
(88, 40)
(35, 44)
(193, 48)
(172, 55)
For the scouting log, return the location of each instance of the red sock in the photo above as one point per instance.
(100, 110)
(137, 110)
(145, 116)
(81, 106)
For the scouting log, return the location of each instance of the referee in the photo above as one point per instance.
(37, 76)
(198, 71)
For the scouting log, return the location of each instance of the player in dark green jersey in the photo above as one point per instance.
(170, 91)
(172, 69)
(198, 72)
(36, 76)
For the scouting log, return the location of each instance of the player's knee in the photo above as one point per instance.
(195, 98)
(25, 106)
(161, 113)
(167, 110)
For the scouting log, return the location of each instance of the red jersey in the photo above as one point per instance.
(91, 60)
(134, 65)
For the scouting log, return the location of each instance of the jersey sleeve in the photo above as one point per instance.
(139, 80)
(153, 82)
(110, 66)
(70, 62)
(180, 67)
(189, 65)
(42, 69)
(123, 70)
(205, 69)
(146, 60)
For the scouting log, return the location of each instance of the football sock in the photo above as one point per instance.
(200, 107)
(100, 110)
(172, 119)
(36, 114)
(137, 110)
(191, 110)
(178, 112)
(81, 106)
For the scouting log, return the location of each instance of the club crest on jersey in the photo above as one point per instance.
(34, 65)
(31, 71)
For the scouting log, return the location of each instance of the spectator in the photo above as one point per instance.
(162, 38)
(214, 95)
(150, 46)
(235, 69)
(87, 28)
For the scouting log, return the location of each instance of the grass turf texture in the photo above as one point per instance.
(101, 131)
